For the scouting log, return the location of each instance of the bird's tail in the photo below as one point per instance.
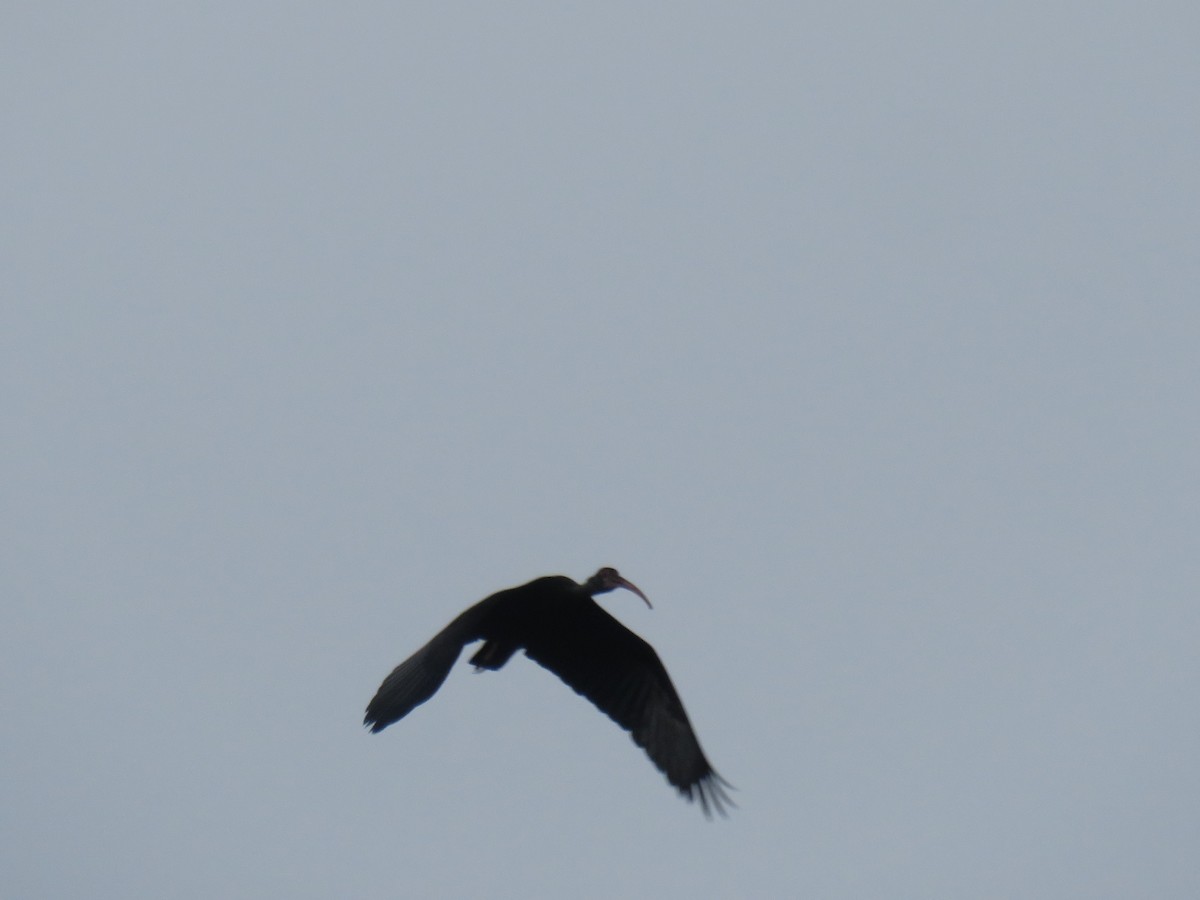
(493, 654)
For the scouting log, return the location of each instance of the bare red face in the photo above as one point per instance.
(609, 579)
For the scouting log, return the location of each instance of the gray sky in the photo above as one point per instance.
(863, 338)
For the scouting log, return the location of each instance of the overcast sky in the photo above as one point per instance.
(864, 338)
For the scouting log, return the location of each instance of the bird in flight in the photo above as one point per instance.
(560, 627)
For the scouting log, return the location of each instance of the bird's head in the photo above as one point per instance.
(609, 579)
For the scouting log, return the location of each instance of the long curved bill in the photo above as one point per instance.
(630, 586)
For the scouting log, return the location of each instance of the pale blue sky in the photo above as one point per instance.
(863, 338)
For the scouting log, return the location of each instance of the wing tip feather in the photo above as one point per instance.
(711, 791)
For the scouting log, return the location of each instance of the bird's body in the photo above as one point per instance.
(559, 626)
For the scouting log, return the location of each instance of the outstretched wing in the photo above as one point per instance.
(621, 674)
(417, 678)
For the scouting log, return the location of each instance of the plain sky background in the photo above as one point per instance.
(862, 337)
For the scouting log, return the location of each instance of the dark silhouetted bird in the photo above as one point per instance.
(559, 626)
